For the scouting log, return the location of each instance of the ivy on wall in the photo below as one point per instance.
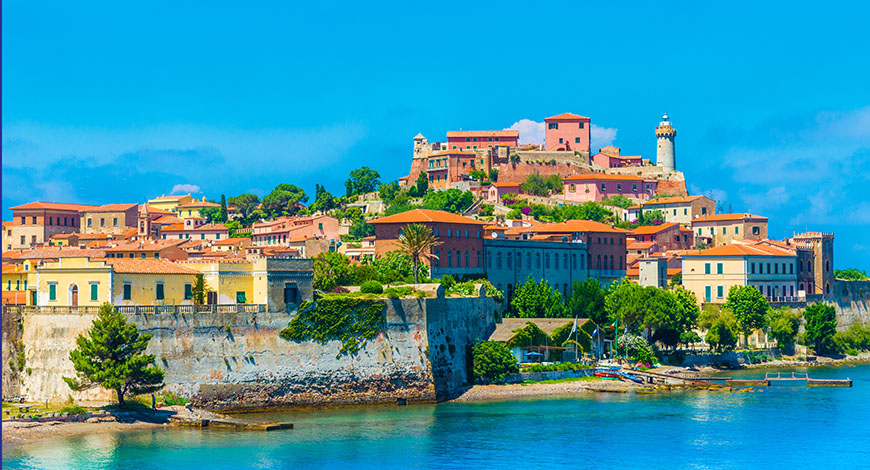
(353, 321)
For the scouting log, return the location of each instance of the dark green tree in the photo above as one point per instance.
(332, 269)
(224, 215)
(323, 200)
(536, 185)
(362, 180)
(749, 307)
(285, 199)
(493, 174)
(821, 325)
(537, 300)
(111, 355)
(586, 300)
(245, 204)
(210, 214)
(784, 326)
(450, 200)
(421, 186)
(492, 362)
(388, 192)
(851, 274)
(417, 241)
(723, 333)
(624, 302)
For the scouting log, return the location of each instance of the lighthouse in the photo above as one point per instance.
(665, 135)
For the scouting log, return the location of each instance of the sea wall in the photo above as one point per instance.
(237, 360)
(851, 299)
(12, 344)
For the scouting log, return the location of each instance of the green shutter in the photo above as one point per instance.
(94, 288)
(240, 297)
(52, 292)
(706, 268)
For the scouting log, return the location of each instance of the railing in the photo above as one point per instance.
(140, 309)
(786, 299)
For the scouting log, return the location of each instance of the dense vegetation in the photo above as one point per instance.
(352, 320)
(851, 274)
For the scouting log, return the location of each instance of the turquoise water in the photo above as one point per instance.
(795, 427)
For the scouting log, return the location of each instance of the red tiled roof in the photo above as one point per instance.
(571, 226)
(168, 220)
(199, 204)
(147, 266)
(602, 177)
(93, 236)
(566, 116)
(728, 217)
(232, 241)
(53, 252)
(62, 236)
(112, 208)
(424, 216)
(156, 245)
(504, 133)
(506, 185)
(170, 197)
(651, 229)
(672, 200)
(153, 210)
(742, 250)
(173, 228)
(54, 205)
(635, 245)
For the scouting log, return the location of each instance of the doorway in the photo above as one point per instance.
(73, 295)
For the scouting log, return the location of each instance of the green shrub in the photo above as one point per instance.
(555, 367)
(371, 287)
(398, 292)
(447, 281)
(171, 399)
(492, 362)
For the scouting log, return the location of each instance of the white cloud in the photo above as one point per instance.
(758, 203)
(718, 195)
(601, 137)
(531, 132)
(185, 188)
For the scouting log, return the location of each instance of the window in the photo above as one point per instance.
(159, 291)
(240, 297)
(736, 229)
(555, 261)
(90, 222)
(102, 222)
(18, 284)
(156, 255)
(466, 259)
(581, 125)
(52, 292)
(752, 268)
(50, 221)
(604, 186)
(675, 212)
(720, 291)
(449, 233)
(142, 255)
(561, 140)
(23, 222)
(577, 139)
(94, 288)
(706, 268)
(478, 234)
(538, 260)
(497, 260)
(478, 260)
(437, 232)
(791, 268)
(9, 284)
(33, 220)
(572, 187)
(707, 290)
(437, 261)
(528, 260)
(768, 268)
(755, 230)
(547, 260)
(129, 255)
(719, 268)
(449, 259)
(634, 187)
(775, 268)
(552, 125)
(202, 236)
(619, 187)
(724, 230)
(115, 221)
(217, 236)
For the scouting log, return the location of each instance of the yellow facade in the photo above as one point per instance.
(710, 277)
(231, 281)
(170, 203)
(87, 282)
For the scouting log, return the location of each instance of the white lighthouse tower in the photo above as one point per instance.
(665, 135)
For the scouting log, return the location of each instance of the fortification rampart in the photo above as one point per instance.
(234, 359)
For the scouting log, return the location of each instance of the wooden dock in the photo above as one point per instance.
(829, 383)
(747, 383)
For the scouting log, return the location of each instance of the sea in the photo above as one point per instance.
(793, 427)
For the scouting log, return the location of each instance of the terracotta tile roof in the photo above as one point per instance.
(506, 185)
(453, 152)
(173, 228)
(504, 133)
(426, 215)
(153, 210)
(14, 297)
(63, 236)
(147, 266)
(571, 226)
(13, 268)
(602, 177)
(98, 244)
(170, 198)
(635, 245)
(652, 229)
(635, 272)
(742, 250)
(52, 252)
(130, 232)
(112, 208)
(93, 236)
(234, 241)
(168, 220)
(54, 205)
(729, 218)
(566, 116)
(672, 200)
(199, 204)
(155, 245)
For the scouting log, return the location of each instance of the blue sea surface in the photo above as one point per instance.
(778, 427)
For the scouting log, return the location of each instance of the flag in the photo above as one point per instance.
(595, 332)
(573, 328)
(612, 326)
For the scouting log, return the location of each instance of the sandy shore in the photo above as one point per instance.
(19, 433)
(480, 393)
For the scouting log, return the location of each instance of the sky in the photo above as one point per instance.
(125, 101)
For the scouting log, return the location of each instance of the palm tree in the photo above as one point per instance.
(417, 241)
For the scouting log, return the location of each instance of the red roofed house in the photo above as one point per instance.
(609, 157)
(722, 229)
(112, 219)
(281, 231)
(497, 190)
(668, 236)
(195, 229)
(461, 250)
(473, 140)
(159, 249)
(451, 166)
(606, 245)
(599, 186)
(681, 209)
(568, 132)
(36, 222)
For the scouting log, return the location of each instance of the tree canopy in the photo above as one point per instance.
(492, 361)
(586, 300)
(111, 355)
(284, 200)
(749, 307)
(537, 185)
(245, 203)
(821, 325)
(362, 180)
(851, 274)
(537, 300)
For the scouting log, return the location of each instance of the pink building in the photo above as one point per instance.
(473, 140)
(195, 228)
(668, 236)
(497, 190)
(567, 132)
(451, 166)
(609, 157)
(598, 186)
(281, 231)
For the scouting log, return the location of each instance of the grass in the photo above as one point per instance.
(588, 378)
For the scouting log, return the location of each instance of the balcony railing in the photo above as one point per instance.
(141, 309)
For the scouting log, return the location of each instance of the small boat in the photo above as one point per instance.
(631, 377)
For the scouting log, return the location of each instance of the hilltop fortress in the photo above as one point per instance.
(565, 152)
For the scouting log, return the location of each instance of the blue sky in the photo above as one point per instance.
(122, 102)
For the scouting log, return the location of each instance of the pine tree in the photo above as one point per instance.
(224, 216)
(111, 355)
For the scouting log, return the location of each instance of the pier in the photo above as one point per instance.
(794, 379)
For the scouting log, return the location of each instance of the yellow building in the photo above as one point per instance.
(90, 282)
(169, 203)
(722, 229)
(193, 208)
(711, 272)
(17, 283)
